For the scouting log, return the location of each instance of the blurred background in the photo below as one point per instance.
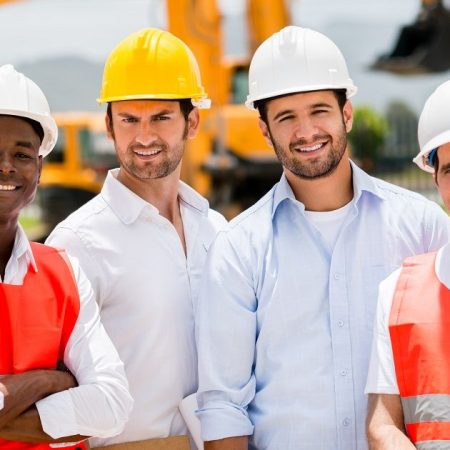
(397, 52)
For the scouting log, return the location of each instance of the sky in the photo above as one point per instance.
(35, 30)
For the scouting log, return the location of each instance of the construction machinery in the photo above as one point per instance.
(74, 171)
(423, 46)
(229, 161)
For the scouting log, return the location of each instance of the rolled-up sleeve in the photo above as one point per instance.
(226, 333)
(101, 403)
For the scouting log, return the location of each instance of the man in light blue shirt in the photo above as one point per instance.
(287, 304)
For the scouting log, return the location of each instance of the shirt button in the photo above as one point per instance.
(344, 372)
(336, 276)
(341, 323)
(346, 422)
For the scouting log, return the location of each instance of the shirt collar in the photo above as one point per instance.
(22, 248)
(128, 206)
(362, 182)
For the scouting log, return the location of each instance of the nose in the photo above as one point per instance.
(146, 135)
(305, 129)
(6, 163)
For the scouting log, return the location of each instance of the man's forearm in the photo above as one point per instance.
(233, 443)
(389, 437)
(385, 426)
(27, 427)
(21, 391)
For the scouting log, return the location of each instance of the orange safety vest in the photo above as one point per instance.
(419, 327)
(36, 321)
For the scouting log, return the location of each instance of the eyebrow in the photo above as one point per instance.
(26, 144)
(312, 107)
(164, 112)
(444, 167)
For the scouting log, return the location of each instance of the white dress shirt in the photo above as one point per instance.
(285, 323)
(381, 378)
(146, 288)
(101, 403)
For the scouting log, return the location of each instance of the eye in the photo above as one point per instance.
(162, 118)
(285, 118)
(320, 111)
(129, 120)
(22, 155)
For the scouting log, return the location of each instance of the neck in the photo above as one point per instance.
(162, 193)
(326, 193)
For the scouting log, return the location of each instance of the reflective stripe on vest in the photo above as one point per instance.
(419, 327)
(36, 321)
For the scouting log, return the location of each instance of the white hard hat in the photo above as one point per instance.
(434, 125)
(296, 60)
(19, 96)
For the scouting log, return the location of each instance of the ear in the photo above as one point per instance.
(347, 113)
(265, 131)
(193, 122)
(109, 127)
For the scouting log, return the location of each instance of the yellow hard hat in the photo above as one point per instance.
(152, 64)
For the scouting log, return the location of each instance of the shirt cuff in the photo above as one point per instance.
(57, 414)
(223, 423)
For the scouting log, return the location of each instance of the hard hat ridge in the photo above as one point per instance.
(22, 97)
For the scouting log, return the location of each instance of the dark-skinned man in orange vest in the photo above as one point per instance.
(61, 379)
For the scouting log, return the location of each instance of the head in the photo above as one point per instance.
(152, 85)
(20, 164)
(27, 134)
(434, 139)
(301, 72)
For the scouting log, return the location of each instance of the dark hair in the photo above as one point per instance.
(261, 105)
(186, 107)
(37, 127)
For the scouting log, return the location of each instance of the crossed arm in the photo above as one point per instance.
(19, 418)
(385, 428)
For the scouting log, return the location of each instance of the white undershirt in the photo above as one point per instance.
(329, 223)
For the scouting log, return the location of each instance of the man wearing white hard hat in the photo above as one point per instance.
(61, 379)
(289, 293)
(409, 375)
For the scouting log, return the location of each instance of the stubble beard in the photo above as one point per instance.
(315, 167)
(151, 170)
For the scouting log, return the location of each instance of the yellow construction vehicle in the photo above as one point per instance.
(229, 161)
(74, 171)
(422, 46)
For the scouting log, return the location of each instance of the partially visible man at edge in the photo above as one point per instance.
(49, 321)
(409, 381)
(287, 303)
(143, 240)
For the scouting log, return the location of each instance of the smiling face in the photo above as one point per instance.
(149, 137)
(308, 132)
(20, 167)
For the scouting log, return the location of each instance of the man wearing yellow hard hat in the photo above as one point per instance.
(143, 240)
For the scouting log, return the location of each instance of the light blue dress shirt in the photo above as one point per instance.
(284, 325)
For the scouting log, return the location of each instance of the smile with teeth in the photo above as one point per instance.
(311, 148)
(7, 187)
(147, 153)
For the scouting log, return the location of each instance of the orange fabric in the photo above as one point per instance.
(427, 431)
(419, 327)
(37, 319)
